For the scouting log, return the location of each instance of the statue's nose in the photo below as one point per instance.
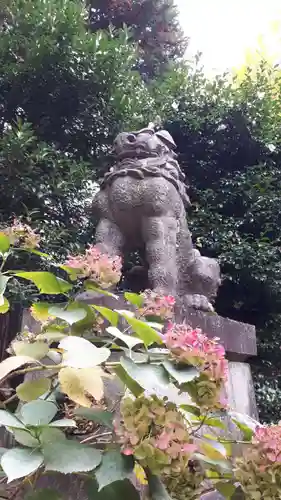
(131, 138)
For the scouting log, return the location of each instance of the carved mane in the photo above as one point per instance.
(150, 155)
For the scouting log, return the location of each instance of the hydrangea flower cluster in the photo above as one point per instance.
(192, 347)
(101, 268)
(259, 471)
(155, 304)
(155, 432)
(22, 235)
(187, 485)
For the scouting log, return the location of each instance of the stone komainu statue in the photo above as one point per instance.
(141, 206)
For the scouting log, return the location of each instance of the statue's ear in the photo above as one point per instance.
(166, 138)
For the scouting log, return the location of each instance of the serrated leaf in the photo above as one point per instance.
(115, 491)
(4, 305)
(181, 374)
(35, 350)
(45, 282)
(227, 489)
(25, 438)
(78, 382)
(114, 467)
(33, 389)
(108, 314)
(102, 417)
(148, 376)
(38, 412)
(45, 494)
(70, 316)
(4, 243)
(69, 456)
(10, 420)
(143, 330)
(19, 462)
(63, 422)
(80, 353)
(134, 299)
(130, 341)
(157, 490)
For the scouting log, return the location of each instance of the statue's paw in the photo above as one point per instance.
(199, 302)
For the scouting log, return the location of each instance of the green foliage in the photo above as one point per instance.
(155, 429)
(62, 101)
(153, 25)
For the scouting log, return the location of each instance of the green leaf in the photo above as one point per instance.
(128, 381)
(221, 464)
(25, 438)
(63, 422)
(149, 377)
(130, 341)
(38, 412)
(4, 243)
(33, 389)
(45, 494)
(227, 489)
(134, 299)
(143, 330)
(212, 449)
(36, 350)
(70, 316)
(115, 491)
(10, 420)
(194, 410)
(90, 285)
(102, 417)
(156, 488)
(114, 467)
(17, 463)
(70, 456)
(181, 374)
(80, 353)
(13, 363)
(46, 282)
(3, 283)
(246, 424)
(213, 422)
(4, 305)
(108, 314)
(49, 435)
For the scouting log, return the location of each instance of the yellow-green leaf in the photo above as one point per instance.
(78, 383)
(4, 243)
(33, 389)
(4, 305)
(36, 350)
(13, 363)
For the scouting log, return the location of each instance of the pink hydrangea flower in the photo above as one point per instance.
(97, 266)
(191, 346)
(155, 304)
(268, 439)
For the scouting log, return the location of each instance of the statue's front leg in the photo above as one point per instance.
(159, 235)
(109, 238)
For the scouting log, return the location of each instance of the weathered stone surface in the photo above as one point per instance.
(141, 206)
